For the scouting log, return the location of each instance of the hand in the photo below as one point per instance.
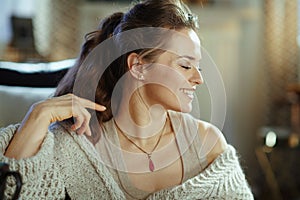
(67, 106)
(33, 129)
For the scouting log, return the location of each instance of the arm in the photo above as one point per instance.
(29, 148)
(28, 138)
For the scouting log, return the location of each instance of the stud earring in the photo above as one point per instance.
(141, 77)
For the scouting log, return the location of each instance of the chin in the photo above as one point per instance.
(187, 110)
(184, 108)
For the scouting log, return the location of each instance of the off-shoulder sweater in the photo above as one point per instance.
(68, 163)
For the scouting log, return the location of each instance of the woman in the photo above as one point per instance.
(117, 128)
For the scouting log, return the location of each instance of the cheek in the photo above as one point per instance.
(167, 98)
(160, 94)
(168, 77)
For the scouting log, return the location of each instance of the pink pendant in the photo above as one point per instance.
(151, 165)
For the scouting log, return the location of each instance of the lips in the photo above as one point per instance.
(188, 91)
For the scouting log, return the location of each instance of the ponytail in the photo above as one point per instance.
(105, 30)
(66, 85)
(92, 39)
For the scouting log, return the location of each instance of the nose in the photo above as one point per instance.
(196, 78)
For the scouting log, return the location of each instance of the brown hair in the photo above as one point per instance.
(171, 14)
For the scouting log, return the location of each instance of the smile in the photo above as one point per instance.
(188, 92)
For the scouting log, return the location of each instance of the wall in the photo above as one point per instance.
(234, 38)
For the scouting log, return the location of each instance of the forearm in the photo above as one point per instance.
(30, 135)
(28, 138)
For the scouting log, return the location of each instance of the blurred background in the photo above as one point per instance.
(254, 43)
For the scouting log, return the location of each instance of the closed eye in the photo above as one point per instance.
(188, 67)
(185, 67)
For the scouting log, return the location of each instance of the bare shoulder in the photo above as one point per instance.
(213, 141)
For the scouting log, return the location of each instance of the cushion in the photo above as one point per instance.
(16, 101)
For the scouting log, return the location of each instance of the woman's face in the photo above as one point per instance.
(171, 81)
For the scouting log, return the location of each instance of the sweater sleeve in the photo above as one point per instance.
(39, 174)
(222, 179)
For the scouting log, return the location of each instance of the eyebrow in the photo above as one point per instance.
(188, 57)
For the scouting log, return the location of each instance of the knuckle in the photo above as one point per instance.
(76, 103)
(69, 95)
(39, 105)
(83, 126)
(72, 96)
(79, 118)
(88, 115)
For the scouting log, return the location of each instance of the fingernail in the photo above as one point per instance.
(73, 127)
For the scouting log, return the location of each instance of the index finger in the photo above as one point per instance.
(91, 105)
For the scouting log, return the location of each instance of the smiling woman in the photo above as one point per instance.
(118, 126)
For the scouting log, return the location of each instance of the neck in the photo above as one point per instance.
(139, 120)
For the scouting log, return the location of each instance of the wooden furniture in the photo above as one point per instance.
(294, 97)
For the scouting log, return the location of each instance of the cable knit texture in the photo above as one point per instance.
(223, 179)
(68, 162)
(40, 176)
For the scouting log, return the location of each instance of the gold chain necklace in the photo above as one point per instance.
(149, 154)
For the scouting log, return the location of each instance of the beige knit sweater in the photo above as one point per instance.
(68, 162)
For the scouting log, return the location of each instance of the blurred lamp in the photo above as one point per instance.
(270, 139)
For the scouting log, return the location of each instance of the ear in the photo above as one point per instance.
(135, 66)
